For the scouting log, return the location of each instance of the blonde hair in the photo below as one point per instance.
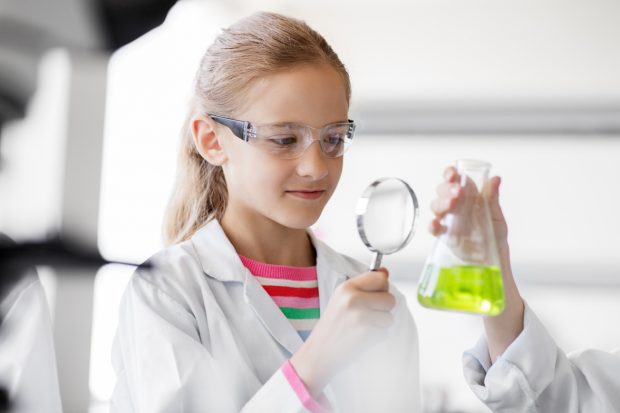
(255, 46)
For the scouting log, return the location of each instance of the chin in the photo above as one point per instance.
(299, 222)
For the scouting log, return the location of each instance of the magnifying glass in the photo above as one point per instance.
(387, 213)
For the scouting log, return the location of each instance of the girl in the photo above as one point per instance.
(246, 310)
(517, 367)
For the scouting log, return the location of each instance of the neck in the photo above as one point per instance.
(262, 239)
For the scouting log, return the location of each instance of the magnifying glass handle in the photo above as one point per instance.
(376, 261)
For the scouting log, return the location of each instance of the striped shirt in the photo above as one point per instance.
(294, 289)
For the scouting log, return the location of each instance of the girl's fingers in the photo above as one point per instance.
(436, 228)
(451, 175)
(448, 190)
(441, 206)
(372, 281)
(378, 301)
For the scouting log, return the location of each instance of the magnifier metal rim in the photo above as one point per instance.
(360, 215)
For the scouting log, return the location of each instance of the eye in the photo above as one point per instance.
(334, 139)
(283, 140)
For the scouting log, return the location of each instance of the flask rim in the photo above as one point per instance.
(472, 164)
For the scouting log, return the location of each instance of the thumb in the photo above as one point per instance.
(491, 189)
(491, 194)
(372, 281)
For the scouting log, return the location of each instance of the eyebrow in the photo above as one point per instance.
(283, 123)
(300, 123)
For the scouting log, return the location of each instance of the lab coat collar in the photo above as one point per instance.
(219, 260)
(218, 257)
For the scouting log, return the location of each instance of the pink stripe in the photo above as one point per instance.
(296, 302)
(302, 392)
(279, 271)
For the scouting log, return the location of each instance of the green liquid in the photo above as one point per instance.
(474, 289)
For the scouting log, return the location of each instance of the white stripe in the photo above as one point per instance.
(287, 283)
(307, 324)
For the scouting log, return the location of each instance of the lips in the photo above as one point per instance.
(307, 194)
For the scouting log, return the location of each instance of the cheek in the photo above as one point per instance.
(335, 170)
(254, 173)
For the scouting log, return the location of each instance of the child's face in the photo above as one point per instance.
(262, 185)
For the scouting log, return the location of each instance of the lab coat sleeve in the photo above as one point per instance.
(162, 365)
(399, 388)
(386, 378)
(534, 375)
(277, 392)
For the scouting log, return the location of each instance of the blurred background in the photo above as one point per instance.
(530, 86)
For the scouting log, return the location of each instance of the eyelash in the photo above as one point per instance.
(279, 140)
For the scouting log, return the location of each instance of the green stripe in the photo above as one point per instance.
(301, 313)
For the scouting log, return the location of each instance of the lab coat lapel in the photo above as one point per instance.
(332, 270)
(271, 316)
(220, 260)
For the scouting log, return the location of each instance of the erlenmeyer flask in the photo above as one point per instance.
(462, 272)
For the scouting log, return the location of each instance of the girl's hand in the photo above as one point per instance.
(357, 316)
(452, 196)
(500, 330)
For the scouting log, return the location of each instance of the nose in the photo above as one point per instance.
(312, 163)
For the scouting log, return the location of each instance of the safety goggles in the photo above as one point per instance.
(290, 140)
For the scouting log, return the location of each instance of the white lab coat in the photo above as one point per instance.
(198, 333)
(533, 375)
(27, 357)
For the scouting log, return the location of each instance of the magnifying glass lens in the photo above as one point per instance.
(386, 217)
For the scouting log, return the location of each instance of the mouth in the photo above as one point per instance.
(306, 194)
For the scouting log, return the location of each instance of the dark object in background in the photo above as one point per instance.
(18, 259)
(126, 20)
(9, 275)
(5, 403)
(22, 42)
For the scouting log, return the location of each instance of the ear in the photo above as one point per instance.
(207, 140)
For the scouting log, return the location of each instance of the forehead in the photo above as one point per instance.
(311, 94)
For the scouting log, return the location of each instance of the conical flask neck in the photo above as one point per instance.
(474, 171)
